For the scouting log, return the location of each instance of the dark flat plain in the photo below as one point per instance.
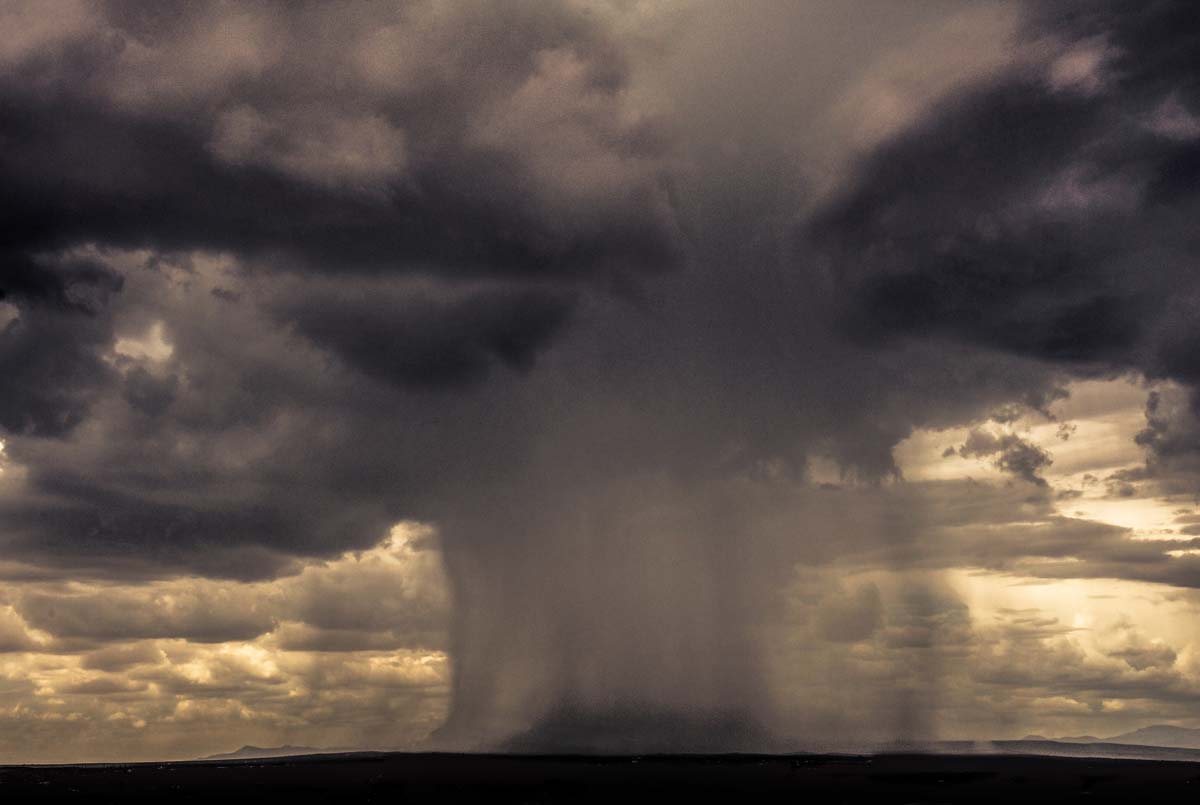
(398, 778)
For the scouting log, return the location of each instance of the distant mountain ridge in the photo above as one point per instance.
(1164, 735)
(1161, 735)
(249, 752)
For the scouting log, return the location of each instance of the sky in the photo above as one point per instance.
(596, 375)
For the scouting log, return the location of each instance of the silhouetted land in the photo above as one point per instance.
(398, 778)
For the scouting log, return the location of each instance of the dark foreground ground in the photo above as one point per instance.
(439, 778)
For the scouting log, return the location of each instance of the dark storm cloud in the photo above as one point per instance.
(329, 211)
(101, 531)
(498, 157)
(107, 616)
(52, 368)
(1042, 212)
(941, 237)
(490, 155)
(51, 350)
(423, 341)
(1013, 454)
(80, 285)
(922, 255)
(354, 161)
(1172, 434)
(134, 182)
(149, 394)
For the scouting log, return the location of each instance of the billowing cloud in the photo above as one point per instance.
(1038, 212)
(633, 306)
(1012, 453)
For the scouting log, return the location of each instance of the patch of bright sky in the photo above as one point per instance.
(1105, 416)
(12, 474)
(151, 345)
(1097, 611)
(8, 314)
(1098, 616)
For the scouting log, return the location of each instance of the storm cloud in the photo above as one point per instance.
(1041, 212)
(639, 311)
